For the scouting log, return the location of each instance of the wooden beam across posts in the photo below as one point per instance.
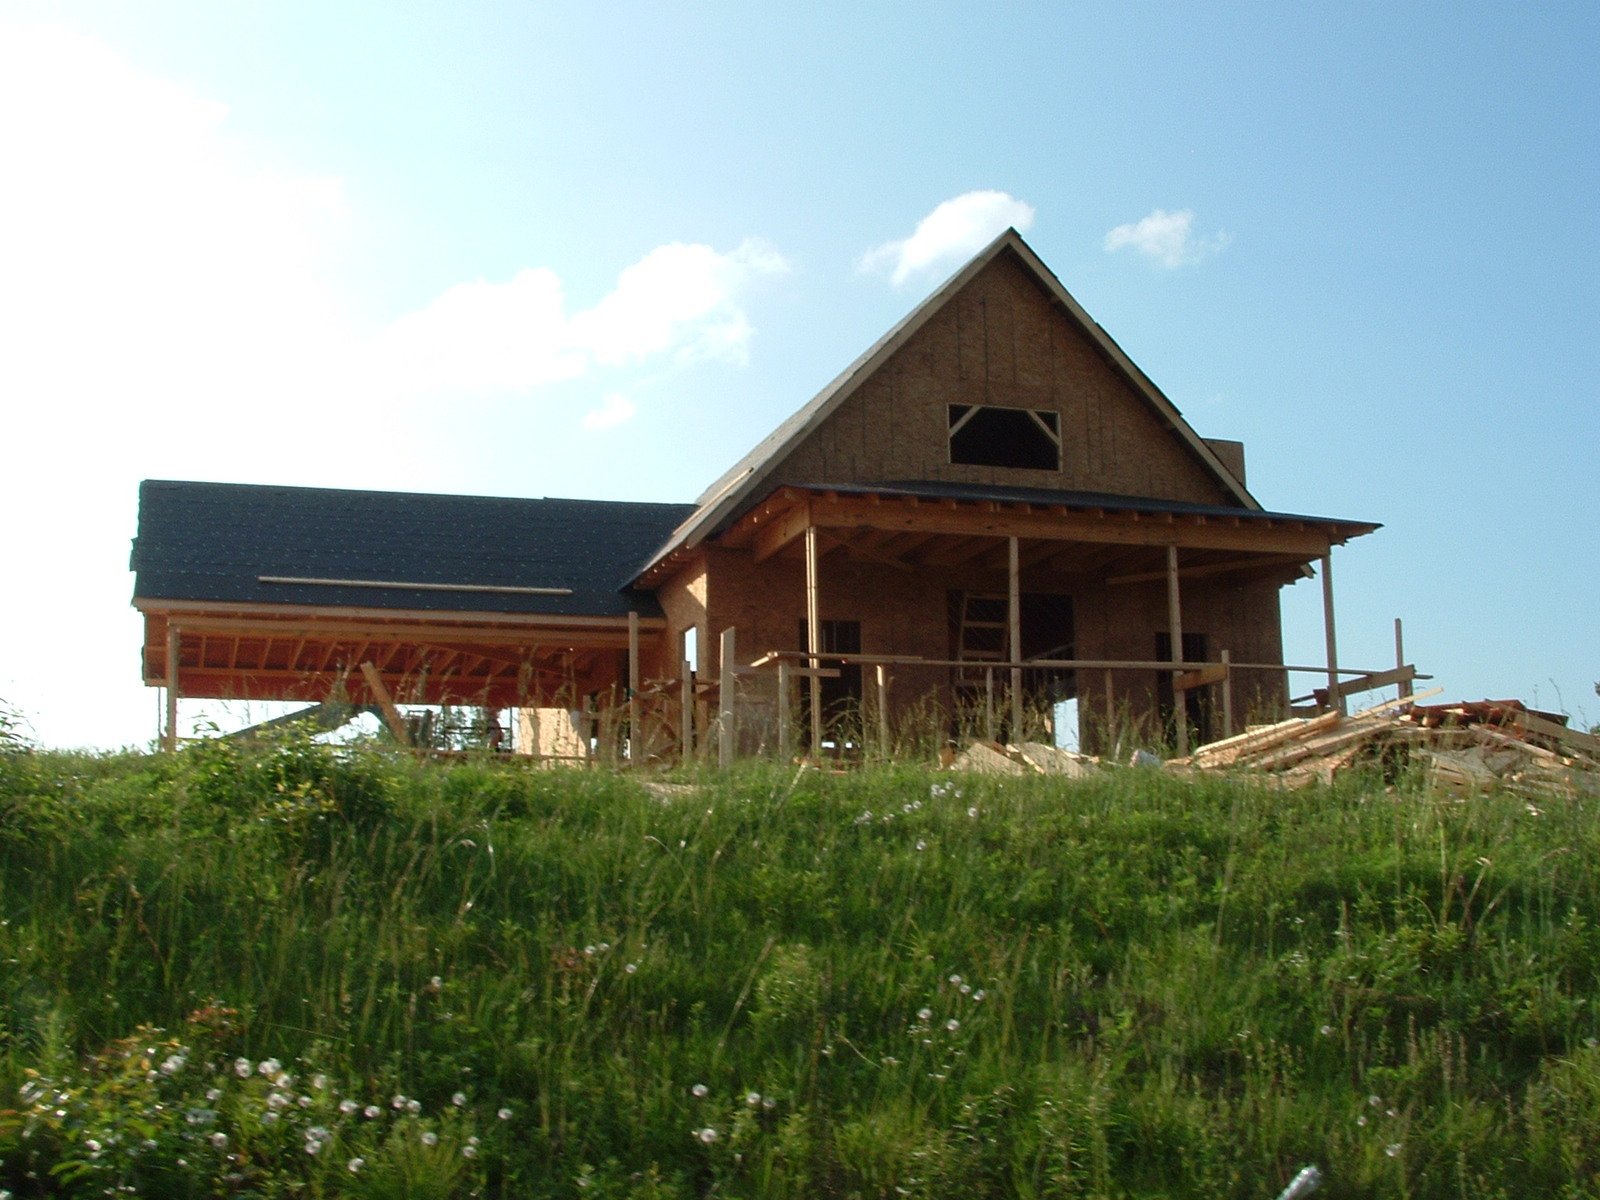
(391, 715)
(814, 640)
(170, 738)
(1206, 569)
(635, 738)
(1014, 629)
(1201, 677)
(1253, 536)
(1335, 697)
(774, 537)
(725, 700)
(1180, 714)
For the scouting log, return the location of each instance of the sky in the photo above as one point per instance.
(567, 249)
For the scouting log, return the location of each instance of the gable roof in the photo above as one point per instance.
(231, 542)
(742, 483)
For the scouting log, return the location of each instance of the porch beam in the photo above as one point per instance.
(1202, 570)
(1071, 527)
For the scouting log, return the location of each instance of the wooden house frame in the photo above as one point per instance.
(994, 489)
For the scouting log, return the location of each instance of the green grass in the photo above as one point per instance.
(888, 983)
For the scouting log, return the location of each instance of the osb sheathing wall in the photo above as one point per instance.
(1001, 340)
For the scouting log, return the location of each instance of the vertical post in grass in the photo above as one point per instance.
(1014, 623)
(1406, 686)
(785, 714)
(1335, 698)
(725, 731)
(170, 739)
(686, 713)
(635, 741)
(883, 710)
(1180, 707)
(814, 638)
(988, 703)
(1227, 697)
(1111, 717)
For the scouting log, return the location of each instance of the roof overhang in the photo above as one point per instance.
(1118, 540)
(299, 652)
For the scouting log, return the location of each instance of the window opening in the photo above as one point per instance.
(983, 435)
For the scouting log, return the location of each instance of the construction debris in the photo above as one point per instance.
(1463, 747)
(1028, 758)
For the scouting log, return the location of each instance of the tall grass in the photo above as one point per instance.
(770, 983)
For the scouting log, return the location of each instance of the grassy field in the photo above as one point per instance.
(291, 972)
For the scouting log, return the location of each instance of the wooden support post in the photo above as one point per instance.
(725, 701)
(1180, 713)
(1405, 687)
(686, 713)
(170, 738)
(1335, 697)
(636, 750)
(1227, 696)
(988, 703)
(1111, 718)
(813, 640)
(785, 713)
(392, 717)
(1014, 627)
(883, 711)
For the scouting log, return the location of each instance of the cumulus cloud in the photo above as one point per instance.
(1167, 238)
(616, 409)
(952, 233)
(682, 302)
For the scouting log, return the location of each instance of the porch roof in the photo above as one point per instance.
(1122, 539)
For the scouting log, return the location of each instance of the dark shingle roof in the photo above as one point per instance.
(212, 541)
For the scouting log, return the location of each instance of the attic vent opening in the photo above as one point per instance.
(982, 435)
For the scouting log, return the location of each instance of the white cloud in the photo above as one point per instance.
(679, 301)
(949, 235)
(616, 409)
(1167, 238)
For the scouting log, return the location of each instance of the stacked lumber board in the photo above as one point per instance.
(1026, 758)
(1463, 747)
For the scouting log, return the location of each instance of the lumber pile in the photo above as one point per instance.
(1026, 758)
(1463, 747)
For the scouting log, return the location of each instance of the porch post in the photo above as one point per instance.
(1227, 696)
(635, 739)
(1406, 686)
(813, 641)
(170, 738)
(725, 700)
(785, 716)
(1180, 711)
(686, 713)
(1335, 698)
(1014, 627)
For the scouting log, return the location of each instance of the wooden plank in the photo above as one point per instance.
(1203, 570)
(391, 715)
(686, 714)
(1533, 723)
(780, 532)
(1189, 680)
(636, 749)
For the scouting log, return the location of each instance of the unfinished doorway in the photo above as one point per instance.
(841, 694)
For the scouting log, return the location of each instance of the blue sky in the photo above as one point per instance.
(582, 250)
